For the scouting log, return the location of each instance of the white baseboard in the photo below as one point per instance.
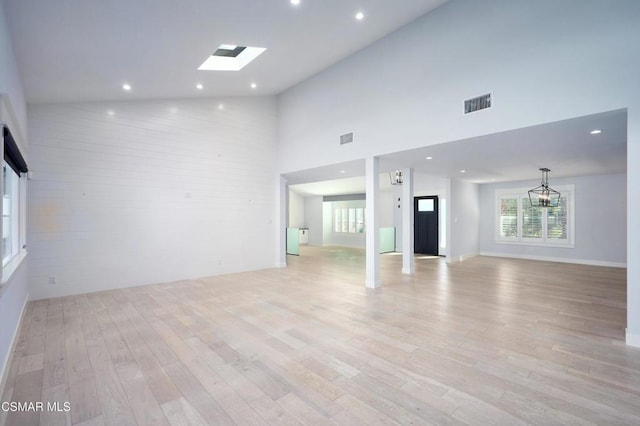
(461, 258)
(557, 259)
(632, 339)
(373, 283)
(7, 360)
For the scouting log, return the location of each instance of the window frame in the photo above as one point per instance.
(521, 194)
(13, 214)
(11, 265)
(345, 220)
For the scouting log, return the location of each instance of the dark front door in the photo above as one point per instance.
(425, 215)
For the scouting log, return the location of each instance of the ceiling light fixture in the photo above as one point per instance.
(199, 86)
(429, 158)
(295, 2)
(596, 132)
(359, 16)
(342, 171)
(126, 87)
(254, 85)
(463, 171)
(543, 195)
(220, 107)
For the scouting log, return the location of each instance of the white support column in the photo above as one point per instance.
(1, 200)
(372, 179)
(283, 212)
(408, 264)
(633, 226)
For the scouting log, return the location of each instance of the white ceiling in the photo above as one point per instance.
(566, 147)
(84, 50)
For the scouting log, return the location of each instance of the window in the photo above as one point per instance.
(10, 213)
(13, 207)
(425, 205)
(349, 220)
(508, 215)
(520, 223)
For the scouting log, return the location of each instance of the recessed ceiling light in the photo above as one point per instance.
(199, 86)
(463, 171)
(254, 85)
(221, 106)
(111, 112)
(429, 158)
(295, 2)
(126, 87)
(342, 171)
(596, 132)
(359, 16)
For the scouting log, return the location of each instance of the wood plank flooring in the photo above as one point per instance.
(485, 341)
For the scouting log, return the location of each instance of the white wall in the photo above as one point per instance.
(12, 303)
(158, 191)
(464, 220)
(313, 219)
(543, 61)
(600, 221)
(10, 82)
(573, 57)
(13, 295)
(296, 210)
(388, 202)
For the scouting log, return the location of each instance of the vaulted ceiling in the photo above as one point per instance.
(85, 50)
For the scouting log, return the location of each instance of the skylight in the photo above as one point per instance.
(229, 57)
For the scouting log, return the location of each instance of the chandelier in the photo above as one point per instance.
(543, 195)
(396, 178)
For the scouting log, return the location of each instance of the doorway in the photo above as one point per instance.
(425, 231)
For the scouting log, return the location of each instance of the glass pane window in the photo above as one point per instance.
(349, 220)
(531, 220)
(360, 220)
(518, 222)
(352, 220)
(508, 217)
(425, 205)
(557, 220)
(10, 218)
(345, 220)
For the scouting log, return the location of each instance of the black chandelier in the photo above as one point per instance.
(543, 195)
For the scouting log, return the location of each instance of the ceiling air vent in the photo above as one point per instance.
(476, 104)
(346, 138)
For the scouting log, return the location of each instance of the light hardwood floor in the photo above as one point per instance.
(485, 341)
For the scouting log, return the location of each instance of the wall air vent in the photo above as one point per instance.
(476, 104)
(346, 138)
